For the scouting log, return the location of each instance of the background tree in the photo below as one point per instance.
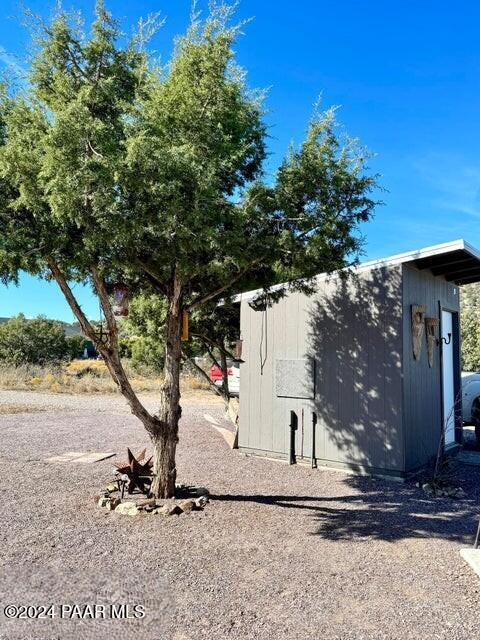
(470, 327)
(115, 170)
(38, 341)
(142, 331)
(75, 346)
(214, 331)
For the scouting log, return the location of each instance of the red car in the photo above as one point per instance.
(233, 373)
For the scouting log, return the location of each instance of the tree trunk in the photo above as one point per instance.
(163, 429)
(164, 470)
(166, 438)
(223, 361)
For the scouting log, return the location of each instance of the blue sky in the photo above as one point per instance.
(406, 75)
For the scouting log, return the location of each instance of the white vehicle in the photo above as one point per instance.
(233, 373)
(234, 379)
(471, 400)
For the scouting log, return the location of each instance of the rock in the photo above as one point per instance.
(162, 511)
(127, 508)
(174, 510)
(103, 501)
(188, 505)
(460, 493)
(168, 510)
(113, 503)
(151, 502)
(111, 488)
(201, 501)
(428, 489)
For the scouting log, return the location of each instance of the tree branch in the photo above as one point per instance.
(220, 346)
(222, 289)
(94, 151)
(110, 354)
(106, 307)
(153, 276)
(205, 375)
(75, 63)
(86, 326)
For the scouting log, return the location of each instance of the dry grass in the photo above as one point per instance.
(194, 383)
(80, 376)
(7, 408)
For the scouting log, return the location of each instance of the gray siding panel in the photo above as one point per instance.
(422, 387)
(245, 377)
(279, 417)
(393, 373)
(355, 355)
(353, 332)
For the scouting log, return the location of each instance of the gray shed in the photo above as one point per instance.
(361, 375)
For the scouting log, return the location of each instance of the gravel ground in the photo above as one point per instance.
(279, 553)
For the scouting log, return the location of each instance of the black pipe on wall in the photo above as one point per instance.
(293, 429)
(314, 429)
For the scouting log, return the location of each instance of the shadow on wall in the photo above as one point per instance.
(355, 343)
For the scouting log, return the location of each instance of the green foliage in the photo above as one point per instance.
(37, 341)
(146, 317)
(470, 327)
(142, 332)
(75, 347)
(111, 160)
(155, 177)
(147, 354)
(213, 328)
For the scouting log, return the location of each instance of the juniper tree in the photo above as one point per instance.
(114, 170)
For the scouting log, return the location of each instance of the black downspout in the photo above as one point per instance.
(293, 428)
(314, 429)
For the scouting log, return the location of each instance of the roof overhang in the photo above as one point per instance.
(459, 264)
(456, 261)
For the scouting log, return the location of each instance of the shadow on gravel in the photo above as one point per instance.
(381, 511)
(394, 512)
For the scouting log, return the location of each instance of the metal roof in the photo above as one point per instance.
(456, 261)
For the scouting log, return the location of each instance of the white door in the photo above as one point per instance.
(448, 378)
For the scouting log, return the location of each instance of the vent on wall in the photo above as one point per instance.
(295, 378)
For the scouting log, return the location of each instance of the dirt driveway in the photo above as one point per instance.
(280, 552)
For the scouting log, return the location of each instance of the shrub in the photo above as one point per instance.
(37, 341)
(147, 355)
(75, 346)
(470, 325)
